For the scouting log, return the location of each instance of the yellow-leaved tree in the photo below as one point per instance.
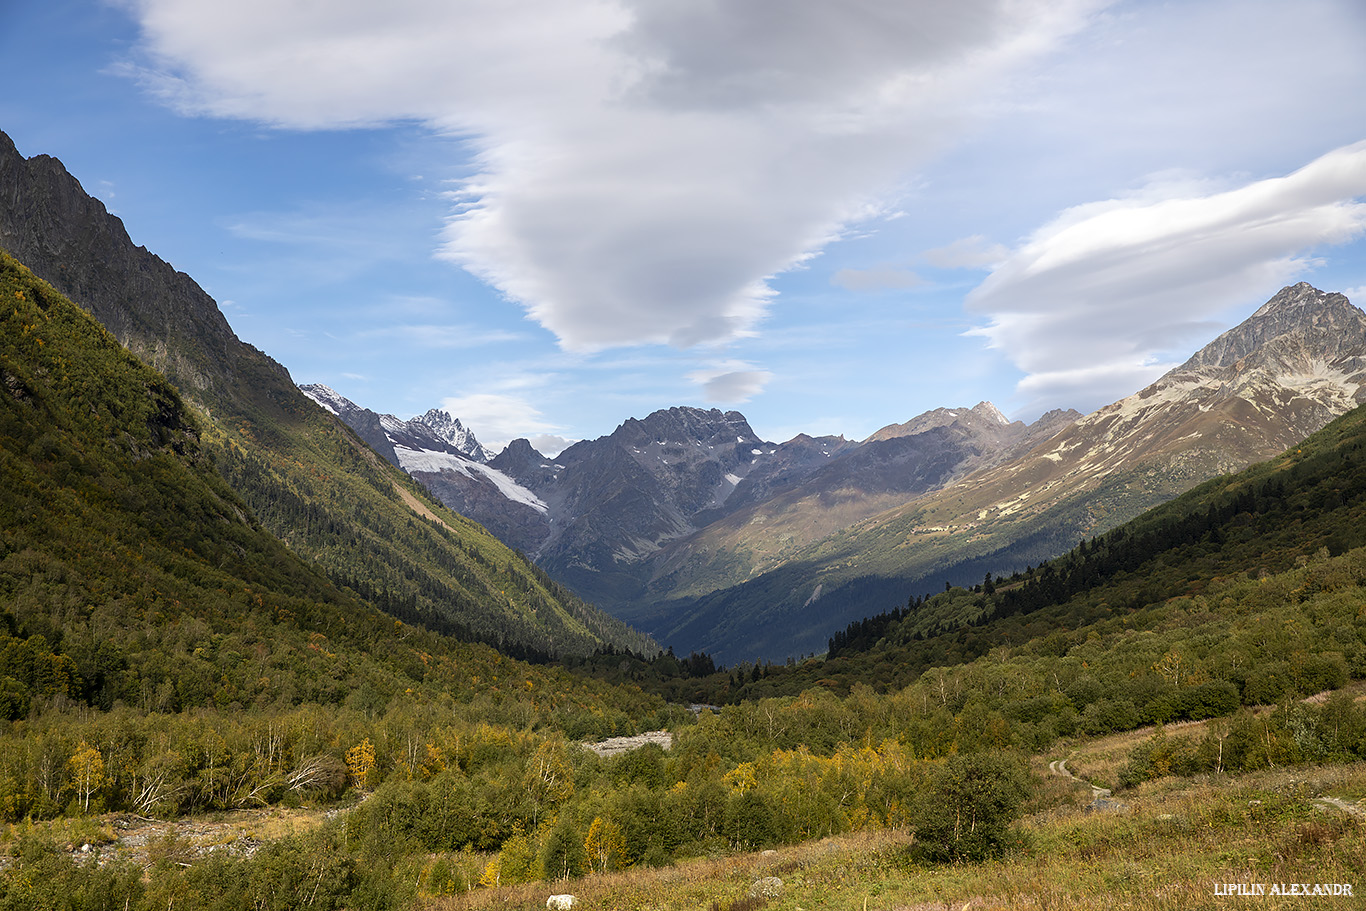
(360, 759)
(605, 845)
(87, 770)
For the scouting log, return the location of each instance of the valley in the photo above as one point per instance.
(758, 551)
(263, 647)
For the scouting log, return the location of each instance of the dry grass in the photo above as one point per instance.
(1099, 759)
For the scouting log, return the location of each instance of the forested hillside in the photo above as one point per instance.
(131, 573)
(363, 523)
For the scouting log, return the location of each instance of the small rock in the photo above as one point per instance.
(768, 887)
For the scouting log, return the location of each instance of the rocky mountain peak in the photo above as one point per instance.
(945, 417)
(521, 448)
(990, 412)
(1322, 324)
(67, 237)
(448, 429)
(683, 424)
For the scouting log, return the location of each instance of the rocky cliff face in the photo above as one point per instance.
(54, 227)
(615, 501)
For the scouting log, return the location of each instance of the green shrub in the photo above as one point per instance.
(966, 813)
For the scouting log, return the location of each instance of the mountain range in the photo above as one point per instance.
(687, 525)
(613, 516)
(1250, 394)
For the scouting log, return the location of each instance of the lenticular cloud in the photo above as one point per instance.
(641, 168)
(1091, 303)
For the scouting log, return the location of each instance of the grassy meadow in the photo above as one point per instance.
(1174, 841)
(1169, 843)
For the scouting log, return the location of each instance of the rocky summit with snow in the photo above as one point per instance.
(445, 457)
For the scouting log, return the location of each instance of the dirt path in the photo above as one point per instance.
(1059, 767)
(1350, 809)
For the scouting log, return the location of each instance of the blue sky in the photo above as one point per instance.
(549, 216)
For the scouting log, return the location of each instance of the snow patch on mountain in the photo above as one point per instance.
(329, 398)
(422, 460)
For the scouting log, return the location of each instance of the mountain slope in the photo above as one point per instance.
(1254, 391)
(118, 535)
(134, 579)
(896, 464)
(1239, 551)
(436, 450)
(311, 481)
(1285, 372)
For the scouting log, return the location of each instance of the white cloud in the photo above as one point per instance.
(1099, 300)
(731, 382)
(973, 252)
(643, 167)
(876, 279)
(497, 419)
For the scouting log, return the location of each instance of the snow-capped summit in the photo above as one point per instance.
(327, 397)
(435, 431)
(443, 455)
(450, 430)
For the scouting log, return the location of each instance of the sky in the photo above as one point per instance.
(549, 216)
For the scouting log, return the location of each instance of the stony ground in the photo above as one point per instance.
(614, 745)
(124, 836)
